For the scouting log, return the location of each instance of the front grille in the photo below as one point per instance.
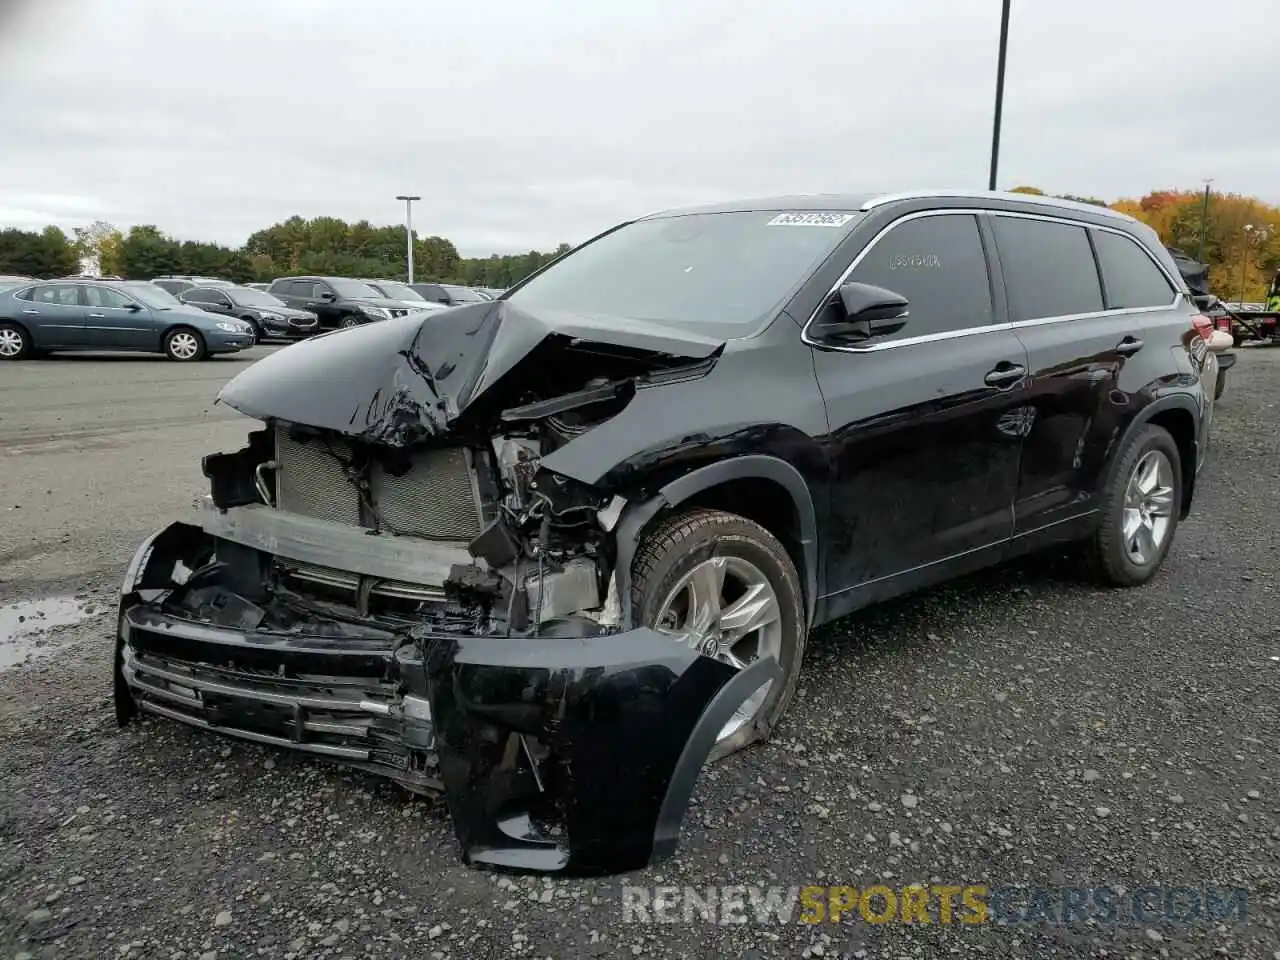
(436, 498)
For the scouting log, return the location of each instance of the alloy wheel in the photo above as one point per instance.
(1148, 507)
(10, 343)
(183, 345)
(726, 609)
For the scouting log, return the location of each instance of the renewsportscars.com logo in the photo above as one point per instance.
(963, 904)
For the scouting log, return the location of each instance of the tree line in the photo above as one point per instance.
(324, 246)
(1241, 246)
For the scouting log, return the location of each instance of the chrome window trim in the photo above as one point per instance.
(986, 328)
(966, 194)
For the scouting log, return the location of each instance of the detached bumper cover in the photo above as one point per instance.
(574, 755)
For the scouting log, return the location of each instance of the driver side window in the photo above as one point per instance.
(938, 263)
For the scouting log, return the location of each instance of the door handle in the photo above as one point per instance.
(97, 316)
(1128, 346)
(34, 312)
(1004, 375)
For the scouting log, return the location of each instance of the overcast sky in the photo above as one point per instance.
(524, 123)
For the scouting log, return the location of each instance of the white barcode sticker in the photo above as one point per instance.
(811, 220)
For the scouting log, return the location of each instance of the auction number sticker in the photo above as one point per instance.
(811, 220)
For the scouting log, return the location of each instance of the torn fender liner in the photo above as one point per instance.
(401, 381)
(575, 751)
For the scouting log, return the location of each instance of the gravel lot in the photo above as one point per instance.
(1017, 727)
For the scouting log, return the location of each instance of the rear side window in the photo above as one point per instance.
(1131, 277)
(62, 294)
(1049, 270)
(939, 265)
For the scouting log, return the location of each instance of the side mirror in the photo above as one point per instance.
(328, 296)
(864, 311)
(133, 308)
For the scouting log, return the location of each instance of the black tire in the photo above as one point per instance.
(675, 546)
(257, 328)
(15, 334)
(176, 337)
(1107, 559)
(1220, 387)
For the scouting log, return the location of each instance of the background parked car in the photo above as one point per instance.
(177, 285)
(111, 315)
(449, 294)
(396, 290)
(269, 316)
(257, 286)
(9, 282)
(339, 301)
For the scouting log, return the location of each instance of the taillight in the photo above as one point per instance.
(1224, 324)
(1203, 325)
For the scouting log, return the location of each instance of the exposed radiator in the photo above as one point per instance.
(436, 498)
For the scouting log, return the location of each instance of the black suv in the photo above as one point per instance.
(339, 301)
(547, 555)
(268, 315)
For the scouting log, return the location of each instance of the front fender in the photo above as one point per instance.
(689, 485)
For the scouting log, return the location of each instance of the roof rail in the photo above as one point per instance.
(968, 194)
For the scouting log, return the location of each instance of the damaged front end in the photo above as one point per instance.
(387, 576)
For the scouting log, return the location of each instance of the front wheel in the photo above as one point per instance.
(349, 322)
(15, 342)
(1139, 515)
(184, 344)
(725, 586)
(258, 332)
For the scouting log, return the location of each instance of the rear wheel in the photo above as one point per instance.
(349, 322)
(184, 344)
(1140, 507)
(15, 342)
(725, 586)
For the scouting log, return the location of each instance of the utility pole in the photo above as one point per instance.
(1204, 220)
(1244, 260)
(408, 228)
(995, 130)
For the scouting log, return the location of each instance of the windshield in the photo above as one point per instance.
(155, 297)
(727, 268)
(255, 298)
(352, 288)
(399, 291)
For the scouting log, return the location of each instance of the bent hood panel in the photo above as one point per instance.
(402, 381)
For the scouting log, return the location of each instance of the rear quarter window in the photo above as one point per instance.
(1131, 277)
(1048, 267)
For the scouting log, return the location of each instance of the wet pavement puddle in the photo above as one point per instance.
(23, 626)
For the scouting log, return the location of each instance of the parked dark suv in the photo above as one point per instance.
(548, 554)
(269, 316)
(339, 301)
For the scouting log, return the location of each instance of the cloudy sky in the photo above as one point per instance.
(523, 123)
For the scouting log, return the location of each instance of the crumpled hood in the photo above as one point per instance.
(402, 381)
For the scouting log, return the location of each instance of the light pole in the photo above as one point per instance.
(408, 228)
(1244, 259)
(1204, 220)
(995, 129)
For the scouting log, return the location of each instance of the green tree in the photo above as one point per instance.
(146, 253)
(46, 254)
